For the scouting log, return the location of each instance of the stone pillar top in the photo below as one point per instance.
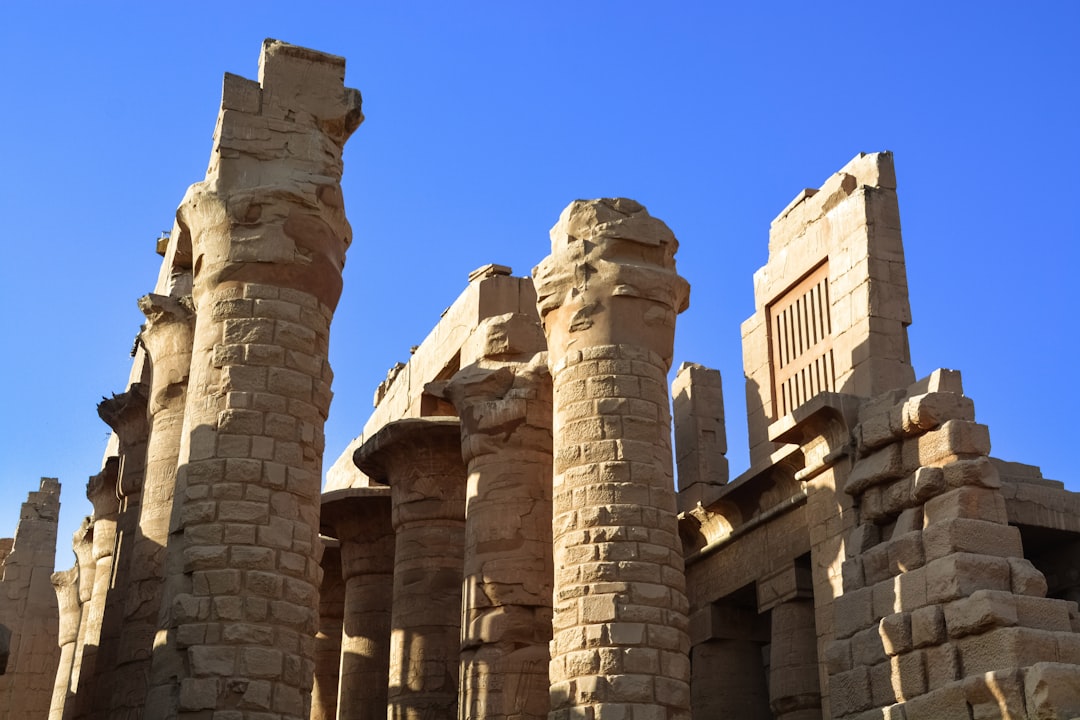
(126, 413)
(404, 441)
(610, 280)
(420, 458)
(355, 513)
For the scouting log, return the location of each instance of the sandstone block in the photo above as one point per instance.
(1006, 647)
(967, 502)
(982, 611)
(964, 535)
(960, 574)
(1052, 691)
(928, 626)
(896, 633)
(948, 701)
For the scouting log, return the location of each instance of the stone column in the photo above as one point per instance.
(607, 296)
(324, 692)
(126, 415)
(66, 584)
(420, 458)
(82, 542)
(268, 234)
(360, 519)
(101, 491)
(504, 401)
(167, 338)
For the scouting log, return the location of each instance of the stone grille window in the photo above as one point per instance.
(800, 339)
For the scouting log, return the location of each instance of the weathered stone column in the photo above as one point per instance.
(66, 584)
(101, 491)
(126, 415)
(360, 519)
(324, 691)
(167, 338)
(268, 235)
(504, 401)
(82, 543)
(607, 296)
(420, 458)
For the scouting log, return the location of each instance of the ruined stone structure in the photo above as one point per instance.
(506, 538)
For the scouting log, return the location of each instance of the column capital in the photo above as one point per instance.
(356, 514)
(610, 280)
(420, 459)
(125, 413)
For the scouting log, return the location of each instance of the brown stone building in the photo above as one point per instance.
(506, 538)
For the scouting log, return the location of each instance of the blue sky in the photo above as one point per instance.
(485, 119)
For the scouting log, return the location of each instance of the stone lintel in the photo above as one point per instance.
(808, 420)
(784, 585)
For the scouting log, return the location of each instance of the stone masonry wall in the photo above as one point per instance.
(29, 615)
(941, 615)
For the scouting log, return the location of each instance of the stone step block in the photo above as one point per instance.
(966, 535)
(1006, 647)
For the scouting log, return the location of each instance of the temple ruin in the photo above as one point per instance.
(534, 523)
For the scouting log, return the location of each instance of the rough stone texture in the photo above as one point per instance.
(265, 235)
(607, 298)
(855, 321)
(700, 434)
(28, 608)
(504, 401)
(360, 519)
(420, 459)
(102, 492)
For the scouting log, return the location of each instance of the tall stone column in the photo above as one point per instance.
(126, 415)
(420, 458)
(82, 542)
(324, 691)
(101, 491)
(360, 519)
(504, 401)
(167, 338)
(66, 584)
(267, 234)
(607, 296)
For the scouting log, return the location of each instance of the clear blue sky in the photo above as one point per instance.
(485, 119)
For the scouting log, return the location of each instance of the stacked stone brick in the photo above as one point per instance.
(360, 519)
(607, 297)
(504, 401)
(941, 615)
(420, 459)
(28, 607)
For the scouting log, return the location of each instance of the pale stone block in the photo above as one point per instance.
(947, 701)
(1006, 647)
(982, 611)
(965, 535)
(960, 574)
(956, 439)
(895, 632)
(928, 626)
(1026, 578)
(969, 502)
